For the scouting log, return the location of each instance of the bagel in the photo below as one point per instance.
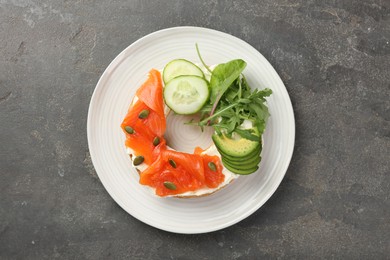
(170, 173)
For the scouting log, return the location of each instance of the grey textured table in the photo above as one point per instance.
(334, 58)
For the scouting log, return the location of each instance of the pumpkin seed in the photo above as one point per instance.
(138, 160)
(144, 114)
(169, 185)
(172, 163)
(129, 129)
(156, 141)
(212, 166)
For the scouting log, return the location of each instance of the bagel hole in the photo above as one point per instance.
(183, 137)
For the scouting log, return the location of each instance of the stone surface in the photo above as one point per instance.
(334, 58)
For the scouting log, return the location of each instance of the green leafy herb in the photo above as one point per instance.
(232, 101)
(246, 133)
(223, 76)
(238, 103)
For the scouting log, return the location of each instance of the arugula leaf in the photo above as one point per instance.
(223, 76)
(261, 111)
(247, 135)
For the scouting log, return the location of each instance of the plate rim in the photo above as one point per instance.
(100, 84)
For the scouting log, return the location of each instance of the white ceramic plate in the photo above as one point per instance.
(111, 100)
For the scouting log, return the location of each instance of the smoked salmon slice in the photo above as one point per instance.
(151, 93)
(153, 125)
(162, 171)
(191, 163)
(141, 142)
(212, 178)
(152, 121)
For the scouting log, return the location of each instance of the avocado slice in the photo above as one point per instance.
(247, 164)
(253, 154)
(239, 171)
(235, 147)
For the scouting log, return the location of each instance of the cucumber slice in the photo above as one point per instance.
(186, 94)
(180, 67)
